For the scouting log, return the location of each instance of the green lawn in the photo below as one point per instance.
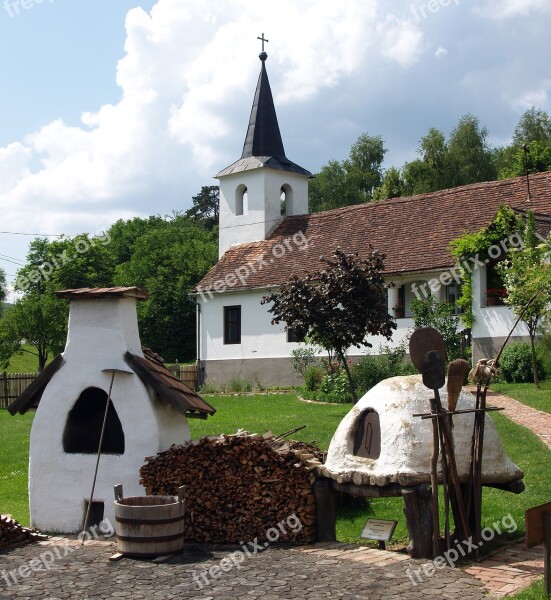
(527, 393)
(24, 362)
(279, 413)
(534, 592)
(14, 453)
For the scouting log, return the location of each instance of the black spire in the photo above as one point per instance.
(263, 144)
(263, 135)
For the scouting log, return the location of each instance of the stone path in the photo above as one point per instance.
(536, 420)
(207, 573)
(509, 570)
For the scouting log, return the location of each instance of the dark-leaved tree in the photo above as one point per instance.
(338, 306)
(206, 206)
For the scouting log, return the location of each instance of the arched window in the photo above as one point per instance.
(241, 200)
(286, 198)
(84, 422)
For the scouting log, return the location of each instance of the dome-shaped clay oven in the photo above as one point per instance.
(380, 441)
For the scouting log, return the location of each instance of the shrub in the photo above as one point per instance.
(239, 384)
(515, 364)
(302, 358)
(373, 369)
(335, 387)
(312, 378)
(544, 351)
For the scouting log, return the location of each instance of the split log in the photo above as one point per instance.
(240, 487)
(12, 533)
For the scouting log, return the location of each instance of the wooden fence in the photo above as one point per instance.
(12, 385)
(187, 374)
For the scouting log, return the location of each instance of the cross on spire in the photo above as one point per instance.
(262, 39)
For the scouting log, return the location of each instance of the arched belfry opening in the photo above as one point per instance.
(286, 198)
(84, 422)
(241, 200)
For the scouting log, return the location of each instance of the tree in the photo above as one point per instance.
(392, 185)
(168, 261)
(526, 273)
(533, 157)
(2, 290)
(39, 317)
(530, 150)
(206, 206)
(433, 313)
(470, 157)
(123, 235)
(40, 320)
(534, 126)
(351, 181)
(338, 306)
(432, 171)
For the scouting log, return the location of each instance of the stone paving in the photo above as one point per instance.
(276, 573)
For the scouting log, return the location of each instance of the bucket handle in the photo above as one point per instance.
(118, 492)
(181, 493)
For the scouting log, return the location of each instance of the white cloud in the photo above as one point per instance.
(440, 52)
(189, 67)
(530, 98)
(401, 40)
(504, 9)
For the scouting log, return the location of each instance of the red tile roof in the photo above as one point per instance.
(413, 232)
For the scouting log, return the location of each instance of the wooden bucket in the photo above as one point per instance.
(149, 525)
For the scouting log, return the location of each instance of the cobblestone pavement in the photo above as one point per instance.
(272, 574)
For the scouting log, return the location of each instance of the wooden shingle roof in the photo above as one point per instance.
(413, 232)
(149, 368)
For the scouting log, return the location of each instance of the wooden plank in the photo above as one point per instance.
(116, 556)
(533, 519)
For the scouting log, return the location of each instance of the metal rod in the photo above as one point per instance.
(98, 457)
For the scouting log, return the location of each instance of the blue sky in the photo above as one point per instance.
(118, 108)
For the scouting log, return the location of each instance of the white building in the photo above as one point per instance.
(260, 248)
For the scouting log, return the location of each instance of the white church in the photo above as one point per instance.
(267, 235)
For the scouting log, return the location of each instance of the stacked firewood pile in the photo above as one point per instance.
(240, 486)
(11, 533)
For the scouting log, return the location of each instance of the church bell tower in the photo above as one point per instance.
(263, 186)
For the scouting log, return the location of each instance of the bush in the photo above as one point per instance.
(239, 384)
(515, 364)
(373, 369)
(302, 358)
(312, 378)
(543, 350)
(335, 387)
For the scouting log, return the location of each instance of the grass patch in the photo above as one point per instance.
(527, 393)
(24, 362)
(533, 592)
(271, 412)
(281, 412)
(14, 433)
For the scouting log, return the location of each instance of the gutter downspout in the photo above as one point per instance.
(200, 368)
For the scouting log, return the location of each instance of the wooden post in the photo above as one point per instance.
(435, 528)
(547, 553)
(418, 507)
(326, 513)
